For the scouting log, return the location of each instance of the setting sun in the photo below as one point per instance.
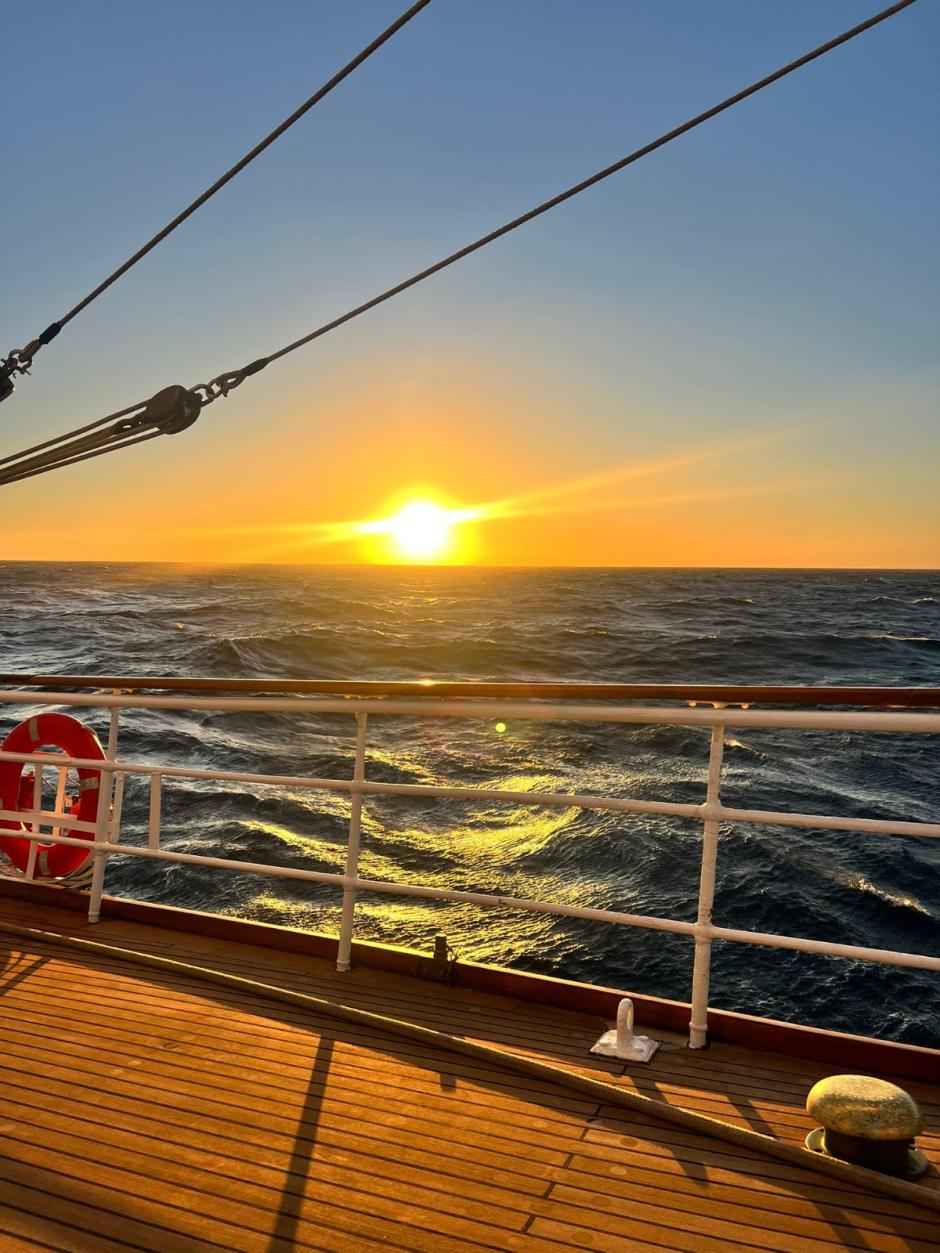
(422, 530)
(418, 529)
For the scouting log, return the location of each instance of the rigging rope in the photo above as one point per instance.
(20, 359)
(166, 414)
(576, 190)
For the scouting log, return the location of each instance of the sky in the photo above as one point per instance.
(723, 356)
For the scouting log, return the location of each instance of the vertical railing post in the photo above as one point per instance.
(701, 970)
(35, 824)
(344, 949)
(60, 796)
(153, 822)
(103, 821)
(114, 825)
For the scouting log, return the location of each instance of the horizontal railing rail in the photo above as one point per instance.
(706, 693)
(711, 812)
(532, 711)
(562, 800)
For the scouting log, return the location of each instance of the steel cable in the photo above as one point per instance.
(594, 179)
(204, 393)
(20, 359)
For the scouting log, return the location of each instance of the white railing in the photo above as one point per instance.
(711, 812)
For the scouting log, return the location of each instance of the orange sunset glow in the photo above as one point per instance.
(445, 480)
(669, 370)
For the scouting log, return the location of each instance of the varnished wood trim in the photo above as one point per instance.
(707, 693)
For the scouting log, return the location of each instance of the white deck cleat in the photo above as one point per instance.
(621, 1042)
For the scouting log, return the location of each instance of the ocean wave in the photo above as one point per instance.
(626, 626)
(928, 642)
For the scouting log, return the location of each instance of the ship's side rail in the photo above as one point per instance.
(47, 826)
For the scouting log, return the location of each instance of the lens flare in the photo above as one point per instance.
(418, 530)
(421, 530)
(415, 528)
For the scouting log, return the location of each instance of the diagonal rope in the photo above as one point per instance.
(20, 359)
(179, 414)
(168, 412)
(57, 439)
(594, 179)
(226, 382)
(113, 445)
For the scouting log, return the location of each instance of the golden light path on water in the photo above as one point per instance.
(424, 527)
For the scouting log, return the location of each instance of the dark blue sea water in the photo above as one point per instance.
(606, 625)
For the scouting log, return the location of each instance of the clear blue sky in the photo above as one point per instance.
(774, 271)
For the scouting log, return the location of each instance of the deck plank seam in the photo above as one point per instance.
(172, 1049)
(286, 1135)
(735, 1160)
(391, 1158)
(528, 1197)
(285, 1173)
(836, 1240)
(703, 1095)
(243, 1227)
(164, 1057)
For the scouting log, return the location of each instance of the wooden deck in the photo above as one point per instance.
(141, 1110)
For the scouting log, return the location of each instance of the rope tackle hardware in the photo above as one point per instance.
(171, 410)
(19, 360)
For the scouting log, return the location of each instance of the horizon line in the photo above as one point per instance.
(365, 565)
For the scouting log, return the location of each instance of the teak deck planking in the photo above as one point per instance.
(146, 1110)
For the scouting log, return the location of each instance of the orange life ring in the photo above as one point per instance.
(76, 740)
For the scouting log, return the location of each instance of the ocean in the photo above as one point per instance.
(643, 625)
